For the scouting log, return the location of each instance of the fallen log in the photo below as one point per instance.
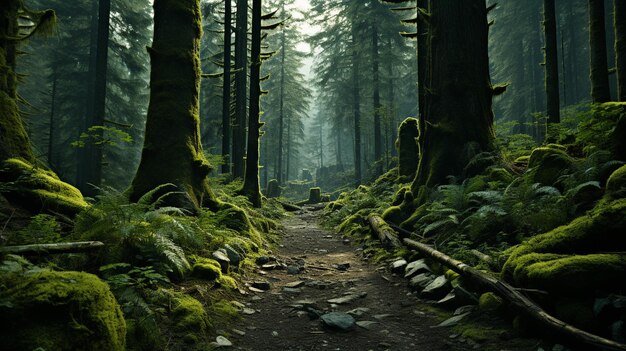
(56, 248)
(386, 235)
(519, 301)
(290, 207)
(403, 232)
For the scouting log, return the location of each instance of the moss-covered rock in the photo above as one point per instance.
(616, 185)
(498, 174)
(273, 189)
(547, 164)
(490, 302)
(59, 311)
(38, 190)
(600, 230)
(206, 268)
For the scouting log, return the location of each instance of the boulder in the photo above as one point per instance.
(437, 289)
(315, 196)
(547, 164)
(398, 266)
(616, 185)
(59, 311)
(273, 189)
(207, 269)
(338, 321)
(420, 281)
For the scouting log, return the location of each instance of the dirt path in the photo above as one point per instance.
(278, 319)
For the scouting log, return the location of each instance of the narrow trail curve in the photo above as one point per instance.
(276, 325)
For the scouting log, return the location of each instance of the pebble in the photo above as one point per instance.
(222, 342)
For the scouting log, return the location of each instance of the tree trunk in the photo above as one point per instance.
(241, 82)
(251, 187)
(619, 10)
(422, 58)
(226, 89)
(391, 118)
(552, 65)
(51, 130)
(288, 154)
(356, 108)
(600, 90)
(378, 147)
(14, 141)
(172, 152)
(457, 115)
(281, 113)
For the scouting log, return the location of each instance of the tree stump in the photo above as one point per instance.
(315, 196)
(273, 189)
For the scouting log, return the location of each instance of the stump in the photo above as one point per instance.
(315, 196)
(273, 189)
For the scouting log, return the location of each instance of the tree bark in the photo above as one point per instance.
(251, 187)
(384, 233)
(226, 89)
(619, 10)
(599, 72)
(56, 248)
(551, 64)
(241, 82)
(458, 115)
(356, 108)
(281, 112)
(172, 151)
(14, 141)
(422, 59)
(378, 147)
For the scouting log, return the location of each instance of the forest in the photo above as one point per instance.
(313, 175)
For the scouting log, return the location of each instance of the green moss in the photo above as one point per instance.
(490, 302)
(206, 268)
(600, 230)
(500, 175)
(14, 140)
(547, 164)
(60, 311)
(578, 274)
(189, 315)
(616, 185)
(38, 189)
(227, 282)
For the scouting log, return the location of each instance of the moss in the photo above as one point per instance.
(600, 230)
(38, 190)
(227, 282)
(60, 311)
(578, 274)
(189, 315)
(490, 302)
(522, 160)
(547, 164)
(500, 175)
(480, 334)
(14, 140)
(206, 268)
(408, 150)
(616, 185)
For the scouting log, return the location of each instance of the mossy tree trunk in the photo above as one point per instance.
(14, 141)
(619, 10)
(172, 151)
(251, 187)
(241, 85)
(90, 167)
(457, 112)
(378, 143)
(226, 89)
(599, 72)
(356, 107)
(551, 64)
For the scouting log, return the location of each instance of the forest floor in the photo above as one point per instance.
(323, 266)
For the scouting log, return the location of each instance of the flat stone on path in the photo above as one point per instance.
(344, 299)
(369, 325)
(338, 320)
(416, 267)
(437, 289)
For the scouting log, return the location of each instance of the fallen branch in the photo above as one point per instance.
(403, 232)
(56, 248)
(383, 231)
(481, 256)
(518, 300)
(290, 207)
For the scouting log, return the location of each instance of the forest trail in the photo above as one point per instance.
(317, 271)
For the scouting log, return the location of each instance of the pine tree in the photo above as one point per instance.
(551, 63)
(600, 89)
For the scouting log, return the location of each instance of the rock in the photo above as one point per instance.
(420, 281)
(359, 311)
(382, 316)
(222, 342)
(233, 256)
(338, 320)
(547, 164)
(238, 332)
(490, 302)
(398, 265)
(342, 267)
(222, 258)
(449, 301)
(274, 333)
(464, 296)
(293, 269)
(207, 269)
(464, 309)
(616, 185)
(437, 289)
(452, 321)
(295, 284)
(416, 267)
(344, 299)
(248, 311)
(59, 311)
(261, 285)
(368, 325)
(261, 260)
(293, 291)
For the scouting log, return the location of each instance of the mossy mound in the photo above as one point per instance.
(600, 230)
(547, 164)
(490, 302)
(206, 268)
(616, 185)
(38, 190)
(187, 318)
(59, 311)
